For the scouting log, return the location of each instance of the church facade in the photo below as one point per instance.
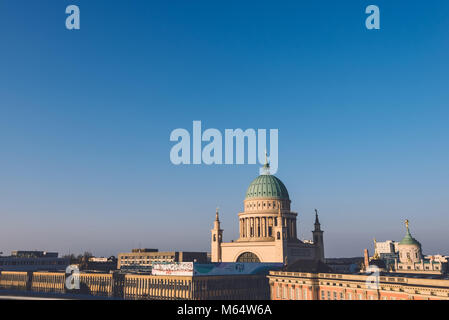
(267, 228)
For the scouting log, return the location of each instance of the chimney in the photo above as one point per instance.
(366, 255)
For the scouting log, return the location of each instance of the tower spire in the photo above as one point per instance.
(217, 237)
(317, 221)
(318, 238)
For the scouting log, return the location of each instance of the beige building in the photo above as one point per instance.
(140, 287)
(267, 228)
(144, 258)
(331, 286)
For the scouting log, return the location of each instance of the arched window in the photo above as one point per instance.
(247, 257)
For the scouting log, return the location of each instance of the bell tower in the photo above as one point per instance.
(217, 238)
(318, 240)
(281, 234)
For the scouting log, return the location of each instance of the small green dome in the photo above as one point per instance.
(408, 239)
(267, 186)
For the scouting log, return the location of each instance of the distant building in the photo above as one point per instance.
(142, 259)
(386, 251)
(334, 286)
(33, 261)
(386, 247)
(406, 256)
(101, 264)
(33, 254)
(345, 265)
(177, 281)
(438, 258)
(212, 269)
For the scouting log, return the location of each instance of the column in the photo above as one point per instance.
(240, 228)
(263, 227)
(294, 228)
(250, 227)
(258, 227)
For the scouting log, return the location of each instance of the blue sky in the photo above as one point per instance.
(86, 116)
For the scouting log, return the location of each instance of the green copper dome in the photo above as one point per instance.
(408, 239)
(267, 186)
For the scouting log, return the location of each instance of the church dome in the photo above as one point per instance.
(408, 239)
(267, 186)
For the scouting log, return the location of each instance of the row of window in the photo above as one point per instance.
(257, 204)
(33, 263)
(296, 293)
(147, 257)
(417, 267)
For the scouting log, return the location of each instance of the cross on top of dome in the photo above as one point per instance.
(266, 167)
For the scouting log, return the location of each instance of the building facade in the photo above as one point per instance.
(33, 261)
(328, 286)
(267, 228)
(143, 258)
(345, 265)
(141, 287)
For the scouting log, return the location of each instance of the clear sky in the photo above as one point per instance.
(86, 116)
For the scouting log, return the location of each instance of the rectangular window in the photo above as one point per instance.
(304, 295)
(292, 293)
(323, 295)
(297, 294)
(284, 293)
(278, 292)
